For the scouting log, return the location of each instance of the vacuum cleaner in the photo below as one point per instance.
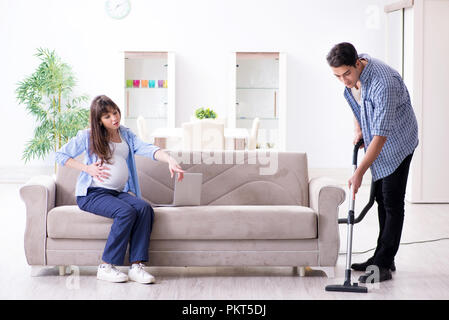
(347, 286)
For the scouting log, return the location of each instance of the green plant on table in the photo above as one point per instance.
(47, 95)
(207, 113)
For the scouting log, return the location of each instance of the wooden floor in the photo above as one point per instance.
(422, 269)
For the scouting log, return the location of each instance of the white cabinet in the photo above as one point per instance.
(258, 91)
(423, 26)
(149, 89)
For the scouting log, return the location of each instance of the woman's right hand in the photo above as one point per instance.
(97, 170)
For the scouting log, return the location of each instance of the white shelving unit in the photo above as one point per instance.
(258, 91)
(418, 46)
(153, 98)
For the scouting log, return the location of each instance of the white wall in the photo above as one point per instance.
(202, 33)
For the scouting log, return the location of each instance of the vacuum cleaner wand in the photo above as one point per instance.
(347, 286)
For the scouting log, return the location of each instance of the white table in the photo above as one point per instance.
(239, 135)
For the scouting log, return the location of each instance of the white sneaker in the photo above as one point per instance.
(109, 272)
(138, 274)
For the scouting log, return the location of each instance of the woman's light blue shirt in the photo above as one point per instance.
(80, 143)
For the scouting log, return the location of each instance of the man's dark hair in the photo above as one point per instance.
(342, 54)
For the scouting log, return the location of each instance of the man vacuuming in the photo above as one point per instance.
(384, 118)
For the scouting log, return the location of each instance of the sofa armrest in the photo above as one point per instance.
(39, 197)
(325, 198)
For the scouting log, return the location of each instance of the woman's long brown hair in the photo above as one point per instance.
(99, 137)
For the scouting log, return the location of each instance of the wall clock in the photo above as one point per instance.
(118, 9)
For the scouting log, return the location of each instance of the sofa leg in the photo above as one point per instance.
(300, 271)
(62, 270)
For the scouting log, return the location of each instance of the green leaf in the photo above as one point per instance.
(38, 147)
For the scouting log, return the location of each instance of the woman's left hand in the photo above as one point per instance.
(174, 167)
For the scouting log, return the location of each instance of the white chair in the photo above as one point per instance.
(252, 140)
(187, 136)
(203, 135)
(222, 120)
(212, 135)
(142, 130)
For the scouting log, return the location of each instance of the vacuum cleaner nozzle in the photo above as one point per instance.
(347, 288)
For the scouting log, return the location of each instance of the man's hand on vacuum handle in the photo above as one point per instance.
(373, 151)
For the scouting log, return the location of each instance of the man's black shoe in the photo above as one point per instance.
(370, 277)
(393, 266)
(362, 266)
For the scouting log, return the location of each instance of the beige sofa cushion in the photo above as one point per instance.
(202, 222)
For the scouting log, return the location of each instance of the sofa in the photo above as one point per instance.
(257, 208)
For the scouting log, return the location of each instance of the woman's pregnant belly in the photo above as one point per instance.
(118, 175)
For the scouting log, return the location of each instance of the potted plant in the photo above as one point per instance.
(47, 95)
(207, 113)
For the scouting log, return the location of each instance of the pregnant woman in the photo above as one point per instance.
(108, 172)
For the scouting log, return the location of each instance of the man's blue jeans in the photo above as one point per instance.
(133, 221)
